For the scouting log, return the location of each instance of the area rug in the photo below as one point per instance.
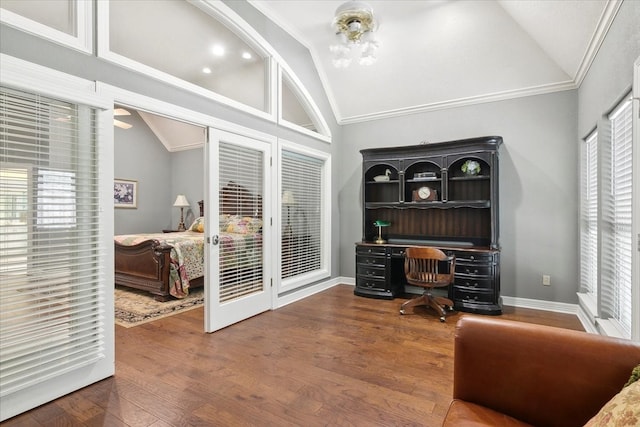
(133, 307)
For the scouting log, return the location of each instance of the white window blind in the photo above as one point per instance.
(617, 221)
(589, 215)
(240, 260)
(51, 307)
(301, 213)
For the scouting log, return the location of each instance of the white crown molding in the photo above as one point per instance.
(604, 23)
(463, 102)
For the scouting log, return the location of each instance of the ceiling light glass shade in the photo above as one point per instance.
(354, 23)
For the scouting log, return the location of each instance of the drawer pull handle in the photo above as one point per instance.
(472, 257)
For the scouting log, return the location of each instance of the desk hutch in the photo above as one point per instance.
(440, 194)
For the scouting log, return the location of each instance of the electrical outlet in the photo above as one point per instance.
(546, 280)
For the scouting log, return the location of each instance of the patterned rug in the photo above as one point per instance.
(133, 307)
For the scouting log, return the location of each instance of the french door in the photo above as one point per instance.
(237, 227)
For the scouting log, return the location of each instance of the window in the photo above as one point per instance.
(617, 249)
(589, 216)
(187, 42)
(56, 198)
(304, 216)
(66, 22)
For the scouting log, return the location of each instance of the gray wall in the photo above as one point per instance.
(161, 176)
(538, 183)
(187, 173)
(141, 157)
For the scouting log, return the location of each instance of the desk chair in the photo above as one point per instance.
(422, 268)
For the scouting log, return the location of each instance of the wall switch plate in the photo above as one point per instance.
(546, 280)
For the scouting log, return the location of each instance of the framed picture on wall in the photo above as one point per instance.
(125, 193)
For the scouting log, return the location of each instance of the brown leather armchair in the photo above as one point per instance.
(509, 373)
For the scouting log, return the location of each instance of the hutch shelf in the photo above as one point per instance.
(440, 194)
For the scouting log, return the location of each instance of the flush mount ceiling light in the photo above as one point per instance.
(354, 24)
(119, 123)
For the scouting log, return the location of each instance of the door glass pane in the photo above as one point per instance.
(301, 213)
(57, 14)
(178, 38)
(241, 181)
(51, 309)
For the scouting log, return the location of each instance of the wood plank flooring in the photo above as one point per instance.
(332, 359)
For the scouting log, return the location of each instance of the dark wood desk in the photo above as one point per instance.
(380, 274)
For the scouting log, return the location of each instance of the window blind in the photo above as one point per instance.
(240, 259)
(51, 306)
(589, 215)
(301, 213)
(617, 221)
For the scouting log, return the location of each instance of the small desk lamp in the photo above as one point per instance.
(181, 202)
(380, 223)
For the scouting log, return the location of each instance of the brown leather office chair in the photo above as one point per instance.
(422, 266)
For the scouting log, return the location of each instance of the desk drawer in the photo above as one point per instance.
(474, 258)
(370, 283)
(370, 271)
(398, 252)
(479, 295)
(375, 261)
(370, 250)
(473, 270)
(472, 283)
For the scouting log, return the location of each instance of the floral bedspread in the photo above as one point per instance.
(240, 250)
(187, 256)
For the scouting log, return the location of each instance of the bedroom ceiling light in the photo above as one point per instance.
(354, 24)
(119, 123)
(181, 202)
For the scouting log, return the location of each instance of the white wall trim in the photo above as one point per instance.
(302, 293)
(463, 102)
(46, 81)
(557, 307)
(604, 23)
(155, 106)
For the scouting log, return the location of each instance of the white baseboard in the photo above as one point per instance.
(304, 292)
(536, 304)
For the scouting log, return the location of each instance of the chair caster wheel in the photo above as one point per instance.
(442, 320)
(401, 311)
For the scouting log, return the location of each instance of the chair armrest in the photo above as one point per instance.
(541, 375)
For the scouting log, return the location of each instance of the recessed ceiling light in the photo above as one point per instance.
(206, 70)
(218, 50)
(246, 55)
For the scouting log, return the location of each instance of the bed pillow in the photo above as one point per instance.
(197, 225)
(622, 410)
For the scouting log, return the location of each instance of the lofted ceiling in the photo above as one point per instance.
(442, 53)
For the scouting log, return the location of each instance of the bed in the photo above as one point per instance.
(167, 265)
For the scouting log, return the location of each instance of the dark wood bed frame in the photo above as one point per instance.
(146, 266)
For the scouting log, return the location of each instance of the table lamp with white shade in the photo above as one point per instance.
(181, 202)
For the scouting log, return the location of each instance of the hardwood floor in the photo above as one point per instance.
(331, 359)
